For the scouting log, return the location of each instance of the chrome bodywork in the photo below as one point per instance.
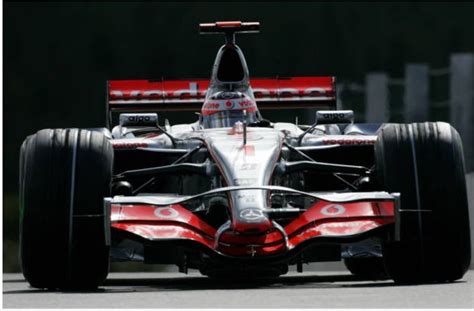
(246, 165)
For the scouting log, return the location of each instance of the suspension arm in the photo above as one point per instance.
(290, 167)
(206, 169)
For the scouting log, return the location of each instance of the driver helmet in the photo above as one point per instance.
(224, 109)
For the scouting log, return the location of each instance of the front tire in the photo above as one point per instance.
(371, 268)
(424, 162)
(64, 177)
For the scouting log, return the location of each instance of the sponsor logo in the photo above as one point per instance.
(317, 91)
(248, 167)
(259, 92)
(251, 214)
(129, 145)
(193, 91)
(245, 181)
(246, 103)
(247, 198)
(229, 104)
(139, 119)
(350, 141)
(333, 116)
(312, 91)
(226, 95)
(166, 212)
(286, 92)
(212, 106)
(352, 224)
(137, 94)
(333, 210)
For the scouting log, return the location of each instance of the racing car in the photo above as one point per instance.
(235, 195)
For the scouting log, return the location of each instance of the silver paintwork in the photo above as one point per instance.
(246, 165)
(190, 135)
(334, 116)
(340, 197)
(137, 119)
(337, 140)
(282, 231)
(219, 232)
(335, 197)
(189, 140)
(246, 169)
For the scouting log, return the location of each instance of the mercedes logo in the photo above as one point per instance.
(251, 214)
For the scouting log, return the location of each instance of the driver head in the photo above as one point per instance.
(225, 108)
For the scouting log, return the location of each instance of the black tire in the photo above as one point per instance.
(424, 162)
(64, 238)
(372, 268)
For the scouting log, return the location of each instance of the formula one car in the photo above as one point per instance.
(235, 195)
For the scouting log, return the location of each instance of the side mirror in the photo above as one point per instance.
(138, 119)
(334, 116)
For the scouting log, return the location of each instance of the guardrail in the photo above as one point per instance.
(442, 94)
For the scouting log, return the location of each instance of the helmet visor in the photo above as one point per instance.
(228, 118)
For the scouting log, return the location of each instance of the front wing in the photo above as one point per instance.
(333, 216)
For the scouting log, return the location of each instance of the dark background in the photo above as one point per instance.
(57, 56)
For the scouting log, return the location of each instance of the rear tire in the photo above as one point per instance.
(64, 238)
(424, 162)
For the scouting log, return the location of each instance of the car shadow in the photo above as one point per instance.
(197, 283)
(287, 282)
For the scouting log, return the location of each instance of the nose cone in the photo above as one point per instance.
(250, 218)
(247, 165)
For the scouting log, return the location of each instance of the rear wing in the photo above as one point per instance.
(188, 95)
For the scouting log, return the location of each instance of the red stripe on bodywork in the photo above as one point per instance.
(249, 150)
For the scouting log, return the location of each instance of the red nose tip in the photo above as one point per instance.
(262, 225)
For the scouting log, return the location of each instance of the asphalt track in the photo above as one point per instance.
(314, 289)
